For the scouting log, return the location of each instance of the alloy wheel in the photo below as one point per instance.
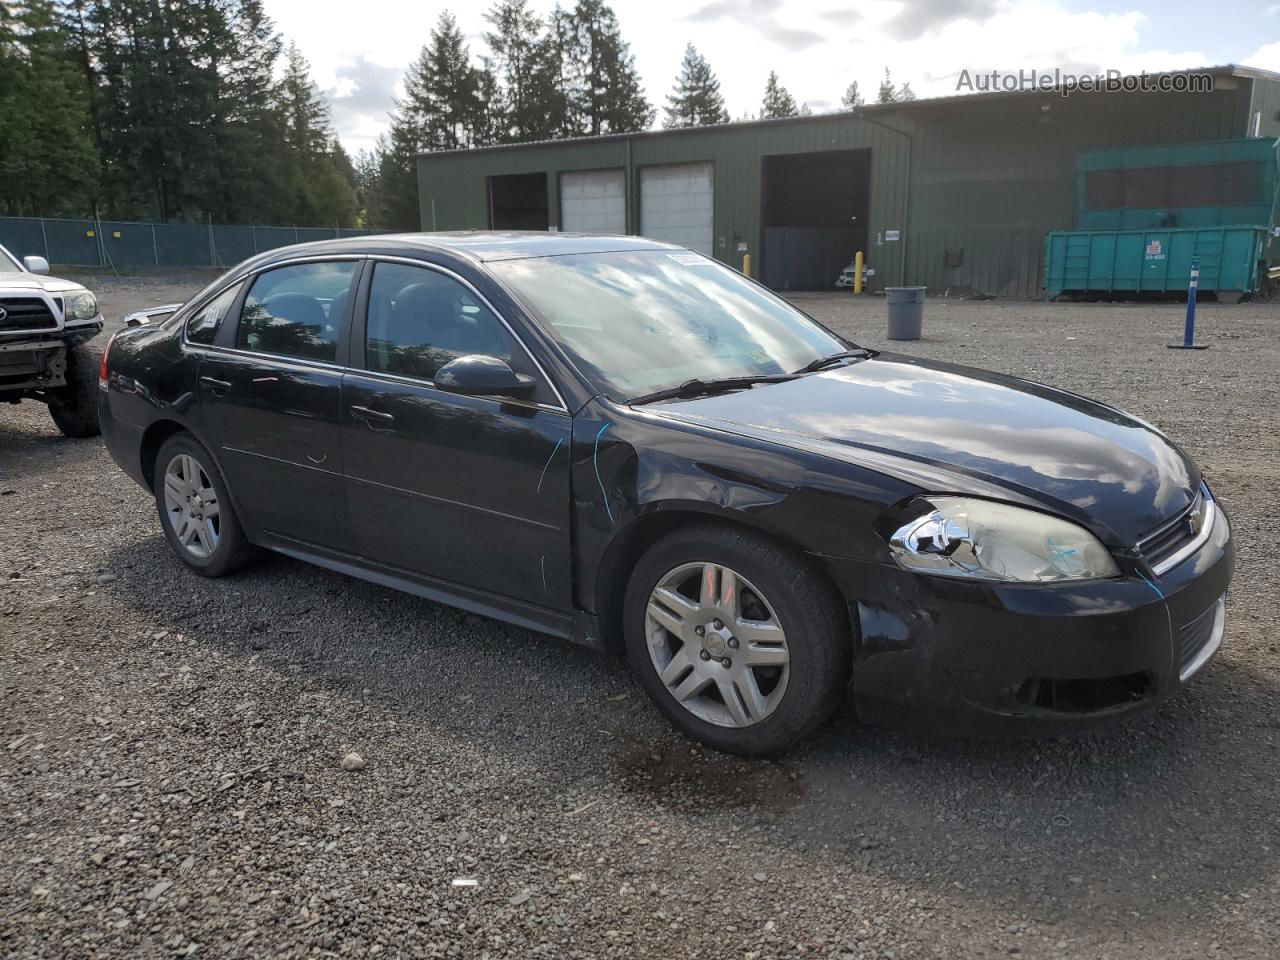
(717, 645)
(191, 504)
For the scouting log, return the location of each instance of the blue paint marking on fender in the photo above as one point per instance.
(1159, 593)
(595, 456)
(547, 465)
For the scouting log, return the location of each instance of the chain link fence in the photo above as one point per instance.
(121, 244)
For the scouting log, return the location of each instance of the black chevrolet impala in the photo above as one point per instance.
(629, 445)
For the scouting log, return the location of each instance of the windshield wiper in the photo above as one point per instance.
(699, 388)
(857, 353)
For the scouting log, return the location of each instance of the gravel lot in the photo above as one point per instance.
(170, 747)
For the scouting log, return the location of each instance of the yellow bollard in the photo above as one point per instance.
(857, 272)
(746, 264)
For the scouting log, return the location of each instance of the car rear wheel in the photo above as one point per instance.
(195, 511)
(736, 639)
(74, 407)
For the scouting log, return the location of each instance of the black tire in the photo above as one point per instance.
(74, 408)
(819, 641)
(233, 551)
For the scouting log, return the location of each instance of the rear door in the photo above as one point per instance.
(270, 393)
(465, 489)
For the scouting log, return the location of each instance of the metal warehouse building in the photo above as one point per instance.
(956, 192)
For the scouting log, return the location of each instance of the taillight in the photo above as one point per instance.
(102, 363)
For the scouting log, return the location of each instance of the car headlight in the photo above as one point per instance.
(81, 305)
(985, 540)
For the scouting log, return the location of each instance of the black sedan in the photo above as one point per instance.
(628, 445)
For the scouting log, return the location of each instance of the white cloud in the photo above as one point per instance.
(1267, 57)
(817, 48)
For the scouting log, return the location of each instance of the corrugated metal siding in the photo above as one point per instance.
(985, 180)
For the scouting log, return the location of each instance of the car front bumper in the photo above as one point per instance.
(1028, 659)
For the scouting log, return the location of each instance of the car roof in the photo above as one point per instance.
(478, 246)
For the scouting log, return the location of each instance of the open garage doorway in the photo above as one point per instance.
(518, 201)
(814, 216)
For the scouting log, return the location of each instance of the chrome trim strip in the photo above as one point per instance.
(273, 357)
(1211, 645)
(378, 376)
(1201, 538)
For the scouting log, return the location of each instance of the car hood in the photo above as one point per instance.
(952, 429)
(14, 281)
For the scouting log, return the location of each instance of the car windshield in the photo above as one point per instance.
(8, 262)
(638, 322)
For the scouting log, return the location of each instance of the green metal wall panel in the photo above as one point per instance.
(972, 185)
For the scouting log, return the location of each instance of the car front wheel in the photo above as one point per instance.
(736, 639)
(195, 511)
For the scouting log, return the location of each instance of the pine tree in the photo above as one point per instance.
(905, 93)
(852, 99)
(559, 78)
(887, 92)
(319, 191)
(444, 99)
(778, 101)
(518, 111)
(695, 101)
(610, 98)
(48, 160)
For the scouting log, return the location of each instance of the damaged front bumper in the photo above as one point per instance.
(1028, 659)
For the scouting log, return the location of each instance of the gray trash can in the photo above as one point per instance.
(906, 312)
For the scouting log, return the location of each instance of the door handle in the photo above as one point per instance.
(374, 418)
(216, 385)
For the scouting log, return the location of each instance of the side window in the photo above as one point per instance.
(297, 311)
(203, 327)
(419, 320)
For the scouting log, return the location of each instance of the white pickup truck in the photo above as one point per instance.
(45, 326)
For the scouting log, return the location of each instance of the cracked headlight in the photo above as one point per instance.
(81, 305)
(985, 540)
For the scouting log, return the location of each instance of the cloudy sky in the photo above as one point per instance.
(817, 46)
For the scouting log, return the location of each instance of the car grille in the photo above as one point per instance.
(1172, 536)
(26, 313)
(1198, 639)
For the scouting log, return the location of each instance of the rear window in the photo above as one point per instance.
(297, 311)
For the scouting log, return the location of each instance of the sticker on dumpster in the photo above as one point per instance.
(1155, 251)
(891, 235)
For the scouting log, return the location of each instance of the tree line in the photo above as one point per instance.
(197, 110)
(163, 110)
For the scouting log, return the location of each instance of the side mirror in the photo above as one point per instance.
(36, 265)
(478, 375)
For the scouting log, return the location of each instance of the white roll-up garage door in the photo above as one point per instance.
(676, 204)
(593, 201)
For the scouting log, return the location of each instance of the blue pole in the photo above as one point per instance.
(1189, 328)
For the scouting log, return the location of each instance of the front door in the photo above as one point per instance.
(270, 395)
(469, 490)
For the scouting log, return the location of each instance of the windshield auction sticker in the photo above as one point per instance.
(688, 259)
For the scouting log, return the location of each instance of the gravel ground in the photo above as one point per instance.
(171, 777)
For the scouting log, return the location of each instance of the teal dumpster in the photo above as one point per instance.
(1156, 260)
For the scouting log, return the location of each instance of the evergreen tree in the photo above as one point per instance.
(518, 110)
(695, 101)
(319, 191)
(610, 98)
(778, 101)
(888, 93)
(442, 89)
(48, 161)
(559, 79)
(852, 99)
